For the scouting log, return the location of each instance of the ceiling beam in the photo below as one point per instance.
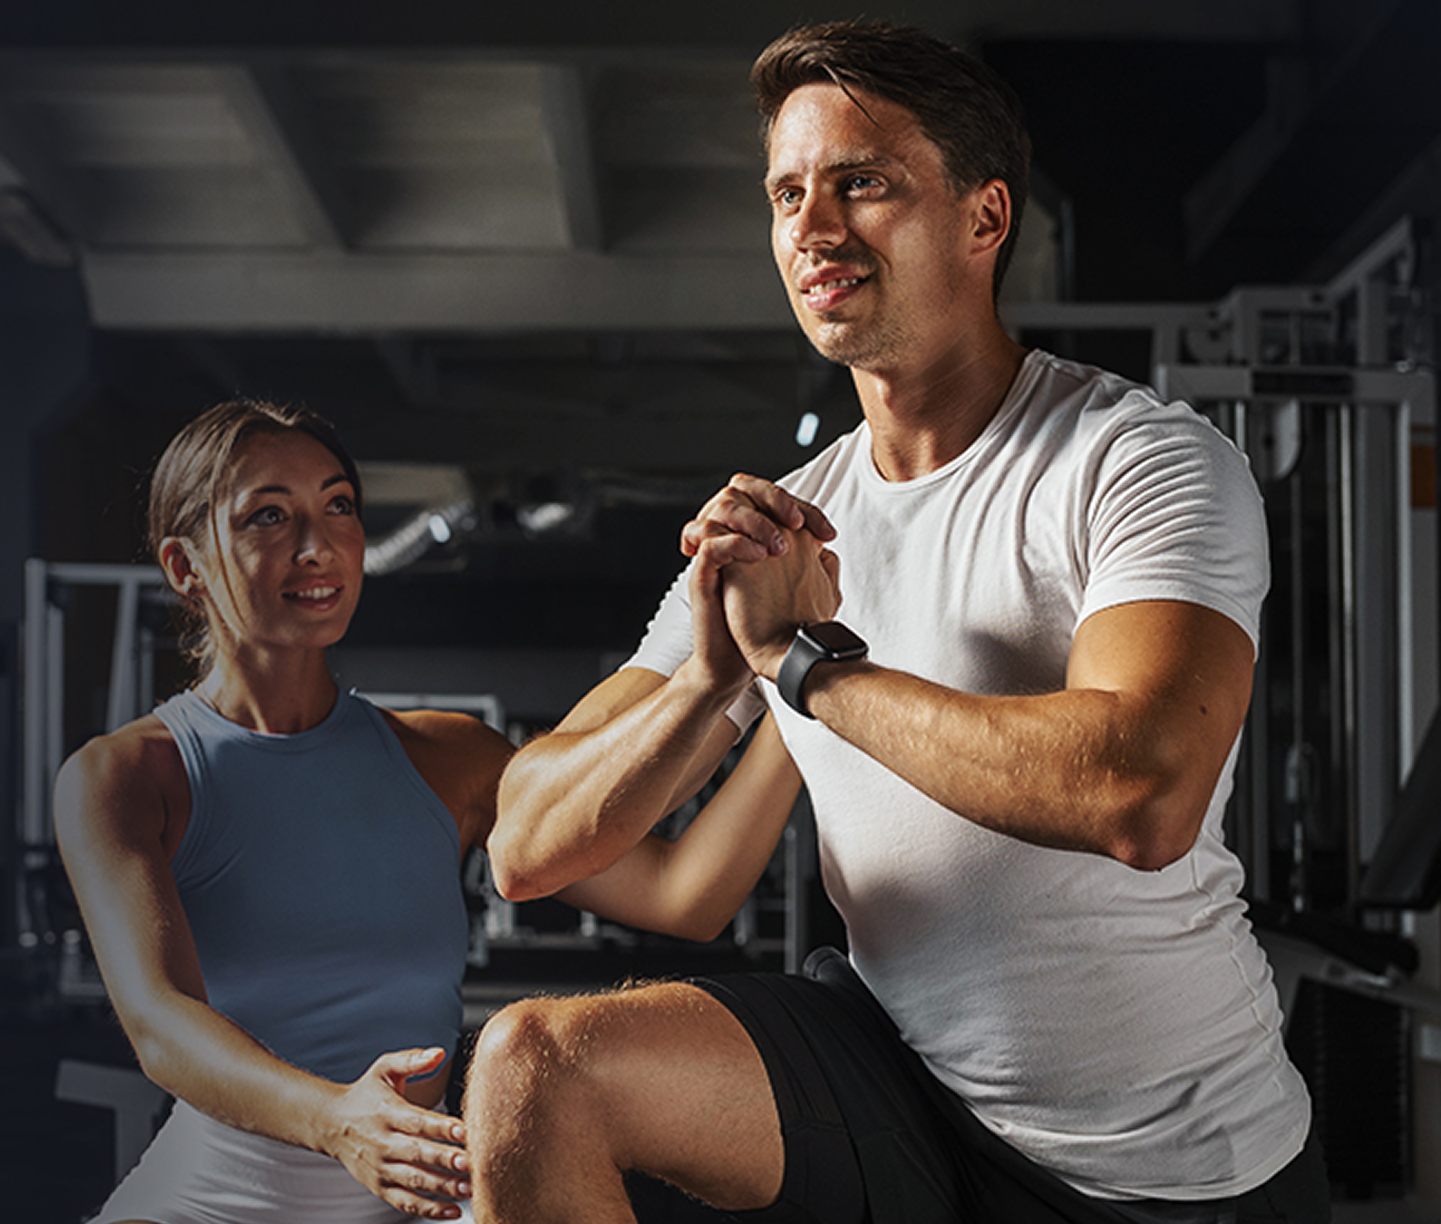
(498, 292)
(566, 109)
(268, 108)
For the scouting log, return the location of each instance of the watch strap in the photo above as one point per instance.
(804, 653)
(827, 642)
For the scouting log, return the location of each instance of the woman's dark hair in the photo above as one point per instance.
(190, 479)
(972, 116)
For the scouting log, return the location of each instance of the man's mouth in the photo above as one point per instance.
(829, 286)
(822, 292)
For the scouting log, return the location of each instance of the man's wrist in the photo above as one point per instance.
(815, 645)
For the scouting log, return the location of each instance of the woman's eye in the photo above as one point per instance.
(266, 516)
(342, 505)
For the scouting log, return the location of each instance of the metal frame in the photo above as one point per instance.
(131, 688)
(42, 722)
(1262, 361)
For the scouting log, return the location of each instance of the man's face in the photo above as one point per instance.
(866, 230)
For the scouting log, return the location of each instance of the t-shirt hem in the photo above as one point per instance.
(1232, 1188)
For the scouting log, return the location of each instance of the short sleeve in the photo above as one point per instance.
(1176, 514)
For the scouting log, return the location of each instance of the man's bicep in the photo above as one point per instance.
(1188, 665)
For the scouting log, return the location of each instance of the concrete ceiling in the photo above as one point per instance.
(440, 167)
(530, 238)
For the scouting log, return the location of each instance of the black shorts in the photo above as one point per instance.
(872, 1137)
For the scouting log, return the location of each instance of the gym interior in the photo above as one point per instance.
(518, 254)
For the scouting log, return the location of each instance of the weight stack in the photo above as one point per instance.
(1355, 1055)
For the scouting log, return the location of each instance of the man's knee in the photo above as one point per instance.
(535, 1126)
(540, 1065)
(518, 1058)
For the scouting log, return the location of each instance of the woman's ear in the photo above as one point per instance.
(179, 568)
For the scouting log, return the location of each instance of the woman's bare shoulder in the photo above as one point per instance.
(122, 777)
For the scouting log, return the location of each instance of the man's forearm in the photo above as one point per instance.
(575, 800)
(1123, 762)
(1059, 770)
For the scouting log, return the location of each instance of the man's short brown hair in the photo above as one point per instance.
(972, 116)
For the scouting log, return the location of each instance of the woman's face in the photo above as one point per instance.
(284, 568)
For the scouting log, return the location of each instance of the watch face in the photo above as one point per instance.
(835, 639)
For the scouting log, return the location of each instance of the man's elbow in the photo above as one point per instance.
(516, 877)
(525, 866)
(1152, 835)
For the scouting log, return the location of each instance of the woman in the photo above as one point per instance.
(268, 867)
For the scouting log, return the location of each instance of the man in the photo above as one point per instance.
(1053, 1008)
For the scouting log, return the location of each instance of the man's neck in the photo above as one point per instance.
(923, 418)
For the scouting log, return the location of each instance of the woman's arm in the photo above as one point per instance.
(121, 803)
(694, 885)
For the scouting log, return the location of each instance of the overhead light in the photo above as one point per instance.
(806, 430)
(545, 516)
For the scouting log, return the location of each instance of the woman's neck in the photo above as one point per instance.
(275, 696)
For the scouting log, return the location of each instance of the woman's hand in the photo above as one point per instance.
(413, 1158)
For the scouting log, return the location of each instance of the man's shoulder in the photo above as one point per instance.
(1098, 405)
(1089, 388)
(832, 462)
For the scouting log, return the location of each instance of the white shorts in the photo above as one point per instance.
(200, 1171)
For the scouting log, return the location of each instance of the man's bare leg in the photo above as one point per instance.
(565, 1095)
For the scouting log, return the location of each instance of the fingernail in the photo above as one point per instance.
(778, 545)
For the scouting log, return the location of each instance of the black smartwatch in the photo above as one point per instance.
(823, 642)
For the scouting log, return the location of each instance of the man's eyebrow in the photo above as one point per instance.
(846, 165)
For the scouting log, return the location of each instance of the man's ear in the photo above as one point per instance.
(179, 567)
(990, 215)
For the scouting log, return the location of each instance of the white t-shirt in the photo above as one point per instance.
(1119, 1027)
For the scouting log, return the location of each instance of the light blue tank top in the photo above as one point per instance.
(321, 878)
